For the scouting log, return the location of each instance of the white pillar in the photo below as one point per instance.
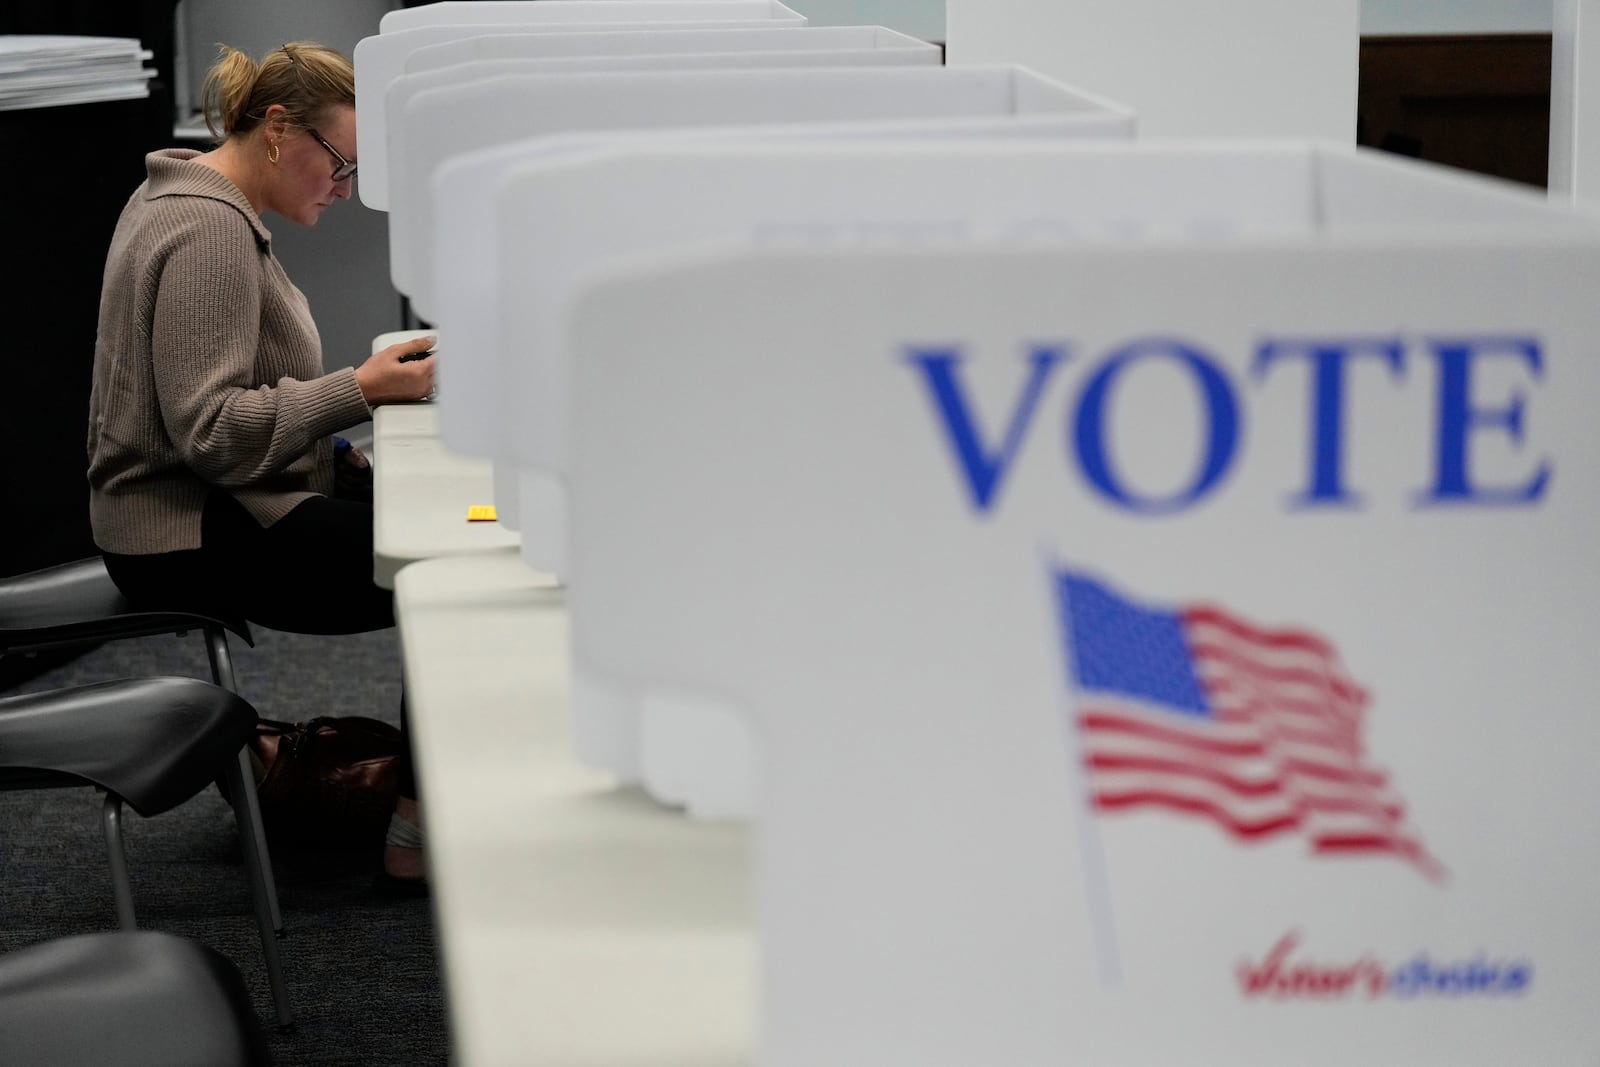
(1247, 68)
(1575, 101)
(1388, 18)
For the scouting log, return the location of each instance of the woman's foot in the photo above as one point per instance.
(404, 866)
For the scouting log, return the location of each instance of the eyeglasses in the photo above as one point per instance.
(342, 167)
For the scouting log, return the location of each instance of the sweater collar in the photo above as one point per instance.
(172, 173)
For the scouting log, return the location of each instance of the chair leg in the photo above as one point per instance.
(121, 887)
(221, 662)
(260, 877)
(248, 816)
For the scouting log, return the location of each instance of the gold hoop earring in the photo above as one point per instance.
(272, 154)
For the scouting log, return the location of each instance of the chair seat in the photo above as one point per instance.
(151, 743)
(126, 999)
(78, 603)
(154, 742)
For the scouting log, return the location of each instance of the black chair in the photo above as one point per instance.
(141, 999)
(150, 743)
(76, 604)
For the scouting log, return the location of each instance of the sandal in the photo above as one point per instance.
(403, 833)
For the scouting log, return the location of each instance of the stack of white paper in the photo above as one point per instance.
(38, 70)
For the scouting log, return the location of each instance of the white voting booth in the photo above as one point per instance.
(453, 122)
(500, 12)
(890, 103)
(447, 130)
(1167, 645)
(830, 39)
(380, 58)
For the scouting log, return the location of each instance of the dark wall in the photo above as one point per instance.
(73, 168)
(1480, 102)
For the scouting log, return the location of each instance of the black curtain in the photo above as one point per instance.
(71, 169)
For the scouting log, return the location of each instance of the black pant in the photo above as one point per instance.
(308, 573)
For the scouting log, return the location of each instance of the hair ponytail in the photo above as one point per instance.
(227, 91)
(308, 79)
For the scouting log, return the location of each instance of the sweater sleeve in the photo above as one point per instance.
(230, 427)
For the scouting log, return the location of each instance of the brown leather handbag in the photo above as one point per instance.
(327, 784)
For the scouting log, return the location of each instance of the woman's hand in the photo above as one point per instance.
(396, 374)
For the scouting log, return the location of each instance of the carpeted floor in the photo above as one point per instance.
(362, 970)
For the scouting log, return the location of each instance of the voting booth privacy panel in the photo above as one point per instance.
(474, 132)
(563, 221)
(452, 122)
(896, 104)
(380, 59)
(498, 12)
(570, 211)
(623, 42)
(1163, 647)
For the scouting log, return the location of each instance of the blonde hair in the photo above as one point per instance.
(308, 79)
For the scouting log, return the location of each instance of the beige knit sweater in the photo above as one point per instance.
(207, 368)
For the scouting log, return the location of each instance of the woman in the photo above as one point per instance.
(211, 461)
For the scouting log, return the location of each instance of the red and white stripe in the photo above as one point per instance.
(1282, 753)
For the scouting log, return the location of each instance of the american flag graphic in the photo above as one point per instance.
(1196, 711)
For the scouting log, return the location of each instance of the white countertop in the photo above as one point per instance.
(421, 493)
(421, 490)
(580, 925)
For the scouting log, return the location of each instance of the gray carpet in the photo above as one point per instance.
(362, 971)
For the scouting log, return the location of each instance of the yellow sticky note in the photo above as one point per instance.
(480, 513)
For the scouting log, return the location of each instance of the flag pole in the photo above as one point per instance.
(1096, 877)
